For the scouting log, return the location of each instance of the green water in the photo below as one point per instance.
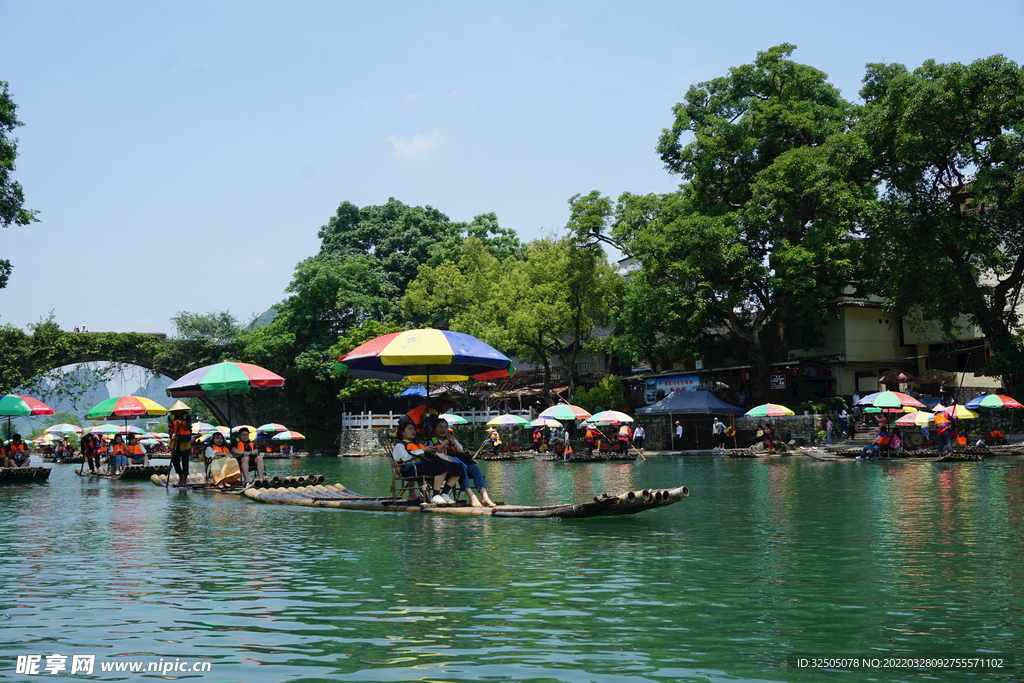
(765, 562)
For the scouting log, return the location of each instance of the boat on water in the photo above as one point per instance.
(18, 475)
(129, 473)
(342, 498)
(197, 481)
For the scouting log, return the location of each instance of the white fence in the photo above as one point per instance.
(369, 420)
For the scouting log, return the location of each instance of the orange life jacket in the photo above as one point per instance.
(119, 449)
(181, 428)
(223, 450)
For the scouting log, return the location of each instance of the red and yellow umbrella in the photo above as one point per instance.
(426, 356)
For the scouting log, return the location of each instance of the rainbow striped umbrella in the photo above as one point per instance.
(63, 428)
(271, 427)
(426, 356)
(203, 428)
(916, 419)
(890, 399)
(125, 407)
(288, 435)
(609, 417)
(16, 405)
(508, 420)
(453, 419)
(992, 401)
(769, 410)
(105, 429)
(224, 379)
(956, 411)
(565, 411)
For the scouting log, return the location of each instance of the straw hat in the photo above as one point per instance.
(178, 406)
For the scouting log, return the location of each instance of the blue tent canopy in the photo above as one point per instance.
(694, 402)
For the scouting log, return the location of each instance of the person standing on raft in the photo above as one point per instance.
(179, 426)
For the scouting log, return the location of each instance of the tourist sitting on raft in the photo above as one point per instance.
(416, 459)
(247, 454)
(883, 440)
(118, 455)
(16, 453)
(444, 441)
(136, 452)
(219, 463)
(495, 440)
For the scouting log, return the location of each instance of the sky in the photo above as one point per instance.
(183, 155)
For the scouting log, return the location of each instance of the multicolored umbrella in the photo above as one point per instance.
(63, 428)
(769, 410)
(993, 401)
(235, 430)
(125, 408)
(545, 422)
(508, 420)
(271, 427)
(565, 411)
(105, 429)
(203, 428)
(916, 419)
(890, 399)
(287, 435)
(956, 411)
(16, 405)
(453, 419)
(426, 356)
(224, 379)
(609, 417)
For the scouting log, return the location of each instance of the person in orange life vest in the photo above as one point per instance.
(118, 455)
(538, 438)
(624, 435)
(417, 459)
(996, 437)
(247, 454)
(217, 449)
(590, 437)
(443, 439)
(179, 426)
(943, 433)
(136, 451)
(17, 452)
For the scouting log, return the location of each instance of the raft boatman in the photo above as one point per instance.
(179, 426)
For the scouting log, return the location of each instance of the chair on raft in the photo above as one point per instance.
(416, 486)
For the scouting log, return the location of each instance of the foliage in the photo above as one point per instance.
(947, 238)
(218, 327)
(824, 406)
(608, 394)
(543, 307)
(756, 244)
(362, 388)
(12, 198)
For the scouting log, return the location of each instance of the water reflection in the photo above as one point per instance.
(766, 558)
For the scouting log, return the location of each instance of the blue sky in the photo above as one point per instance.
(183, 155)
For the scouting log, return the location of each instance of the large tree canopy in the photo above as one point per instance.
(12, 198)
(948, 235)
(756, 245)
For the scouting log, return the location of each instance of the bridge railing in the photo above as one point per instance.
(369, 420)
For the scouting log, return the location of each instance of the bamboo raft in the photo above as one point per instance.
(337, 496)
(958, 455)
(198, 482)
(18, 475)
(129, 473)
(583, 457)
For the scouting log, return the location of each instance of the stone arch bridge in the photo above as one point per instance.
(26, 356)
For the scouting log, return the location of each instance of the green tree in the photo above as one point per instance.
(543, 307)
(217, 327)
(756, 245)
(947, 238)
(608, 394)
(363, 388)
(12, 198)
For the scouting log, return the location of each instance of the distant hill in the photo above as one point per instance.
(264, 318)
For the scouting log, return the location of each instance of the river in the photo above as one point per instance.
(767, 563)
